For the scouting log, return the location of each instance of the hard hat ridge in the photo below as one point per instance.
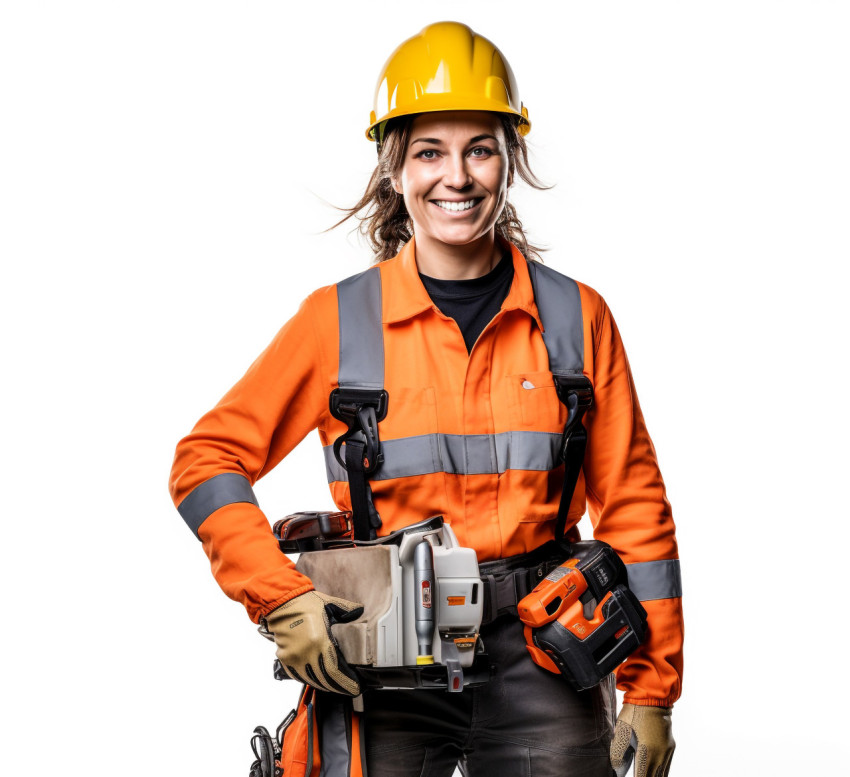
(446, 67)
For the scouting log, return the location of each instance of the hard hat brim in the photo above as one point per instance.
(437, 103)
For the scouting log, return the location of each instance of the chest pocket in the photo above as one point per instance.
(534, 402)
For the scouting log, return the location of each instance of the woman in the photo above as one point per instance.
(465, 365)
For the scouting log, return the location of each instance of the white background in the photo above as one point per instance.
(165, 169)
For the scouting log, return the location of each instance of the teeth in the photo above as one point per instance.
(446, 205)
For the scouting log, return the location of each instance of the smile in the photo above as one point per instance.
(456, 206)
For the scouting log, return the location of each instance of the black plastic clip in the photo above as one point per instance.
(361, 409)
(576, 393)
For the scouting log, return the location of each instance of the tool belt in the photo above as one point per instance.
(506, 581)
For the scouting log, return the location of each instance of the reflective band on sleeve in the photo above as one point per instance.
(456, 454)
(361, 335)
(559, 303)
(655, 579)
(225, 489)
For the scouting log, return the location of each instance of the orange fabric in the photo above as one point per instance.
(435, 386)
(356, 746)
(300, 742)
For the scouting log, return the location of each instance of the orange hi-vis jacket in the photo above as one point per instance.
(502, 390)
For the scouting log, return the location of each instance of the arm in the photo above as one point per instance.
(629, 510)
(281, 398)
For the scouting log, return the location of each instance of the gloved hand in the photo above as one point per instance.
(645, 732)
(305, 645)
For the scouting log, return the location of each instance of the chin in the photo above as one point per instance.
(457, 240)
(457, 237)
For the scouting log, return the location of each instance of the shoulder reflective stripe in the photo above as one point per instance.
(224, 489)
(361, 335)
(559, 302)
(455, 454)
(655, 579)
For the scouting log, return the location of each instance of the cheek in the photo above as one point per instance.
(412, 188)
(501, 185)
(501, 180)
(406, 184)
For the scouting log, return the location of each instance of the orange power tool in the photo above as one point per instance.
(581, 620)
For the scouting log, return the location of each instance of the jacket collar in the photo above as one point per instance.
(404, 295)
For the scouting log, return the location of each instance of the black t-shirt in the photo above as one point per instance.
(474, 302)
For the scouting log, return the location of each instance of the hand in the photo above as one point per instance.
(645, 732)
(306, 648)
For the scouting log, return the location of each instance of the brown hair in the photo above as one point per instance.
(386, 223)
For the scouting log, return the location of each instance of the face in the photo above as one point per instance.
(454, 177)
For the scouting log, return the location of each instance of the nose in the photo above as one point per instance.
(455, 173)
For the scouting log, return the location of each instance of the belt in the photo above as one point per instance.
(508, 580)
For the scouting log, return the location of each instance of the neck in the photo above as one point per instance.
(458, 263)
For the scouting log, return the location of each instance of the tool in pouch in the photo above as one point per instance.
(422, 596)
(267, 749)
(581, 620)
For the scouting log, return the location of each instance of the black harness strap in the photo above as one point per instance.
(576, 392)
(360, 401)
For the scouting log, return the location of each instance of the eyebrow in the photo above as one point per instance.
(438, 142)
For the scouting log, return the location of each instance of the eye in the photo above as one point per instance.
(481, 152)
(427, 153)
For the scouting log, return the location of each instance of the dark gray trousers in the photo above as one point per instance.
(526, 722)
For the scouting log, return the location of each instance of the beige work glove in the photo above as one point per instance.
(306, 648)
(645, 734)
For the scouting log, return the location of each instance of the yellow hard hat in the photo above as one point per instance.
(446, 67)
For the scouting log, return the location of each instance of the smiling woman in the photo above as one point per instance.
(455, 378)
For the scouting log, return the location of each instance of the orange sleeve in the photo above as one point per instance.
(628, 505)
(280, 399)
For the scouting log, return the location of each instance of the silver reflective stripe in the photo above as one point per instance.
(456, 454)
(361, 335)
(224, 489)
(336, 758)
(655, 579)
(559, 303)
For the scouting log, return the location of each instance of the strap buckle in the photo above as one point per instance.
(361, 409)
(576, 393)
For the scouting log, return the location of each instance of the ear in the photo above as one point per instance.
(396, 184)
